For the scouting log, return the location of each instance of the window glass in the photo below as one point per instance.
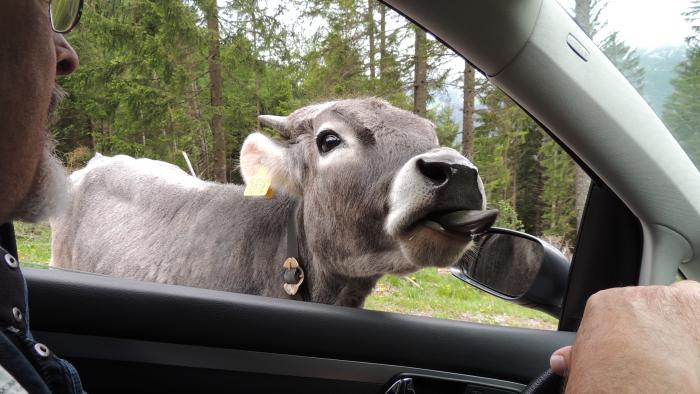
(654, 44)
(184, 83)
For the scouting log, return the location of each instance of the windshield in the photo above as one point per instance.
(655, 44)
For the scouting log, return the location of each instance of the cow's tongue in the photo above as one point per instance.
(466, 221)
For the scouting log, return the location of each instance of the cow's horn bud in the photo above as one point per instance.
(278, 123)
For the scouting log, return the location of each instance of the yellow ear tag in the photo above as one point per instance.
(259, 184)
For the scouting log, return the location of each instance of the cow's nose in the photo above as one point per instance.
(455, 180)
(441, 169)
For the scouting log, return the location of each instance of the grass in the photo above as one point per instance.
(33, 242)
(441, 295)
(428, 292)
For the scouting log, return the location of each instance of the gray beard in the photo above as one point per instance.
(49, 192)
(57, 96)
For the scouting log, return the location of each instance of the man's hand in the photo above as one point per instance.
(636, 339)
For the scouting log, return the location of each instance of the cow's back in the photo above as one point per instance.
(149, 220)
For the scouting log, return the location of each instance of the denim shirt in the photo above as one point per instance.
(24, 361)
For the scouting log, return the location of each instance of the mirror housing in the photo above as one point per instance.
(517, 267)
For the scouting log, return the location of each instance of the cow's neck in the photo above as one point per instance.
(327, 287)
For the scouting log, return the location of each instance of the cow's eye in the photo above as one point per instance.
(327, 141)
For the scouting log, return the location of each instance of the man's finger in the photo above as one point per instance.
(688, 285)
(560, 361)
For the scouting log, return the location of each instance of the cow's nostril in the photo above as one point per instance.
(436, 171)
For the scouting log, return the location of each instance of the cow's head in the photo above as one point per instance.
(380, 196)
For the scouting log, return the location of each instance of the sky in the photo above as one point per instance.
(646, 23)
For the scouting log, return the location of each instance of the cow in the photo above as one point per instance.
(360, 187)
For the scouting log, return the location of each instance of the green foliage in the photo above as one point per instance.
(445, 127)
(558, 195)
(497, 132)
(530, 176)
(625, 59)
(682, 108)
(143, 89)
(335, 69)
(507, 151)
(526, 173)
(507, 216)
(134, 91)
(78, 157)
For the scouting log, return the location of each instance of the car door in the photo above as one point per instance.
(129, 336)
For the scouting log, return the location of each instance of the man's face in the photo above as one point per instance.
(31, 57)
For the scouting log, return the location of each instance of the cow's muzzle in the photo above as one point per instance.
(455, 181)
(440, 190)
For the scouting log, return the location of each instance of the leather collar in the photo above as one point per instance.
(294, 271)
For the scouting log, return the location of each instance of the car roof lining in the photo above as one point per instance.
(506, 24)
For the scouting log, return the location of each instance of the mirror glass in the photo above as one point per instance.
(505, 263)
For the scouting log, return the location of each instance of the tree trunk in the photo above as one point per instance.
(370, 33)
(212, 14)
(420, 82)
(254, 29)
(468, 112)
(382, 41)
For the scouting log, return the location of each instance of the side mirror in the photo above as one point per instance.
(517, 267)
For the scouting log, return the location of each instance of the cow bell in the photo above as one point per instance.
(293, 276)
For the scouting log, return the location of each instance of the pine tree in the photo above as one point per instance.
(625, 59)
(682, 107)
(130, 94)
(558, 193)
(530, 175)
(445, 127)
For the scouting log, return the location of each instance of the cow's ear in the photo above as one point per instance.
(260, 151)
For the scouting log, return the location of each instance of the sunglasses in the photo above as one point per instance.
(65, 14)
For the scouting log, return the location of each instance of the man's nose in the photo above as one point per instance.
(66, 58)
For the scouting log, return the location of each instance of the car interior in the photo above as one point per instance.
(639, 227)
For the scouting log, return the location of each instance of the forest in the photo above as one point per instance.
(162, 77)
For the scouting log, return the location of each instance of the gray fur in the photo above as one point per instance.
(149, 220)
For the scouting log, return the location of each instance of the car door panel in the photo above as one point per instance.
(106, 325)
